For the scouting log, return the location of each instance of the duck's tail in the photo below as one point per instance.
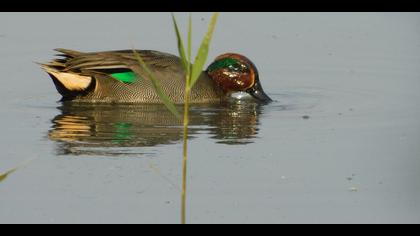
(68, 84)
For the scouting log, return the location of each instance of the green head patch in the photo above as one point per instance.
(224, 63)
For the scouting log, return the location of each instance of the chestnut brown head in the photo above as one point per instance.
(235, 73)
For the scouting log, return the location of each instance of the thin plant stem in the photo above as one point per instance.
(192, 74)
(185, 152)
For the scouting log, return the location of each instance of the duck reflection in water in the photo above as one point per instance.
(92, 129)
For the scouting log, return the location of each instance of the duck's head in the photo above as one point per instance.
(236, 73)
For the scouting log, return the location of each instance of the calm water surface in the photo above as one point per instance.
(339, 145)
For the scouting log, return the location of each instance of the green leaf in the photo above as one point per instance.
(202, 53)
(158, 88)
(181, 49)
(189, 38)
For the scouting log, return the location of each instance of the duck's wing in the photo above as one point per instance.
(76, 72)
(117, 61)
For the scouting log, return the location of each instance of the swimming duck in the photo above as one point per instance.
(117, 77)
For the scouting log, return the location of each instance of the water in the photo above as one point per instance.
(339, 145)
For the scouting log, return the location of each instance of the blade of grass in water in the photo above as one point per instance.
(4, 175)
(189, 39)
(180, 44)
(191, 76)
(187, 67)
(158, 88)
(202, 53)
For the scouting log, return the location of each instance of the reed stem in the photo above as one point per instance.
(185, 152)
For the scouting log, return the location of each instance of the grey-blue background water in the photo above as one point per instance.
(356, 159)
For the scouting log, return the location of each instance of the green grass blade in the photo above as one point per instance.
(181, 49)
(158, 88)
(189, 37)
(202, 53)
(4, 175)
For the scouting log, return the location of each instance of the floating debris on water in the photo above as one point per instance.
(350, 178)
(353, 189)
(305, 117)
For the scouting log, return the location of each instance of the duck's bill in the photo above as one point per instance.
(258, 93)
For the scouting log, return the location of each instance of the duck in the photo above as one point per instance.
(117, 77)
